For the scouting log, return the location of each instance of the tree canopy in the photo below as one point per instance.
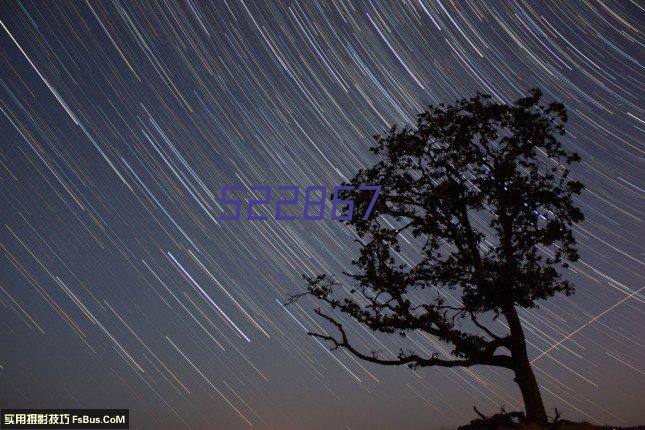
(477, 206)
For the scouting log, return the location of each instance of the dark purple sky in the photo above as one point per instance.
(122, 121)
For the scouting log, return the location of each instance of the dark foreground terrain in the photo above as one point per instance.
(516, 421)
(559, 426)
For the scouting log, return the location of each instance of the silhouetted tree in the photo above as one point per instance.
(476, 206)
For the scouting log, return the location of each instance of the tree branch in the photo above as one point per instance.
(406, 359)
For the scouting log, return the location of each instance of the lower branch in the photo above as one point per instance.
(407, 359)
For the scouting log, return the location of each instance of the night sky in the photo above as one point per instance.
(121, 122)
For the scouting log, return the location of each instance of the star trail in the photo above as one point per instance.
(121, 121)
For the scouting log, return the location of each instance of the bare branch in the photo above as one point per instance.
(413, 360)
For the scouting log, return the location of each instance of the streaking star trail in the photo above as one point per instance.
(122, 121)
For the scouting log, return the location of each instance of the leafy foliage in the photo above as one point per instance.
(481, 191)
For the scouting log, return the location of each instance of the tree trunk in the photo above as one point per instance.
(524, 377)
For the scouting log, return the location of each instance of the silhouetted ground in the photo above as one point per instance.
(561, 426)
(564, 426)
(516, 421)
